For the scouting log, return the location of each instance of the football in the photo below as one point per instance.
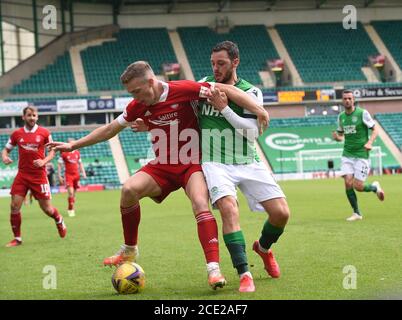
(128, 278)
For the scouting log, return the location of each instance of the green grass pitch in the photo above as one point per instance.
(316, 246)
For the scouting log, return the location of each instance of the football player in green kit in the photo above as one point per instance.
(237, 165)
(353, 127)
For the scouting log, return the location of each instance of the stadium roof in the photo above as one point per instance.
(269, 4)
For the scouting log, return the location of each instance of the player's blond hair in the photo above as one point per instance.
(138, 69)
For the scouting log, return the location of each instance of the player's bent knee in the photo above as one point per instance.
(129, 192)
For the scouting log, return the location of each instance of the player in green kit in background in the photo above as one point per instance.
(353, 127)
(236, 164)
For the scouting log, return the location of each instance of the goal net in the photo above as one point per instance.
(319, 160)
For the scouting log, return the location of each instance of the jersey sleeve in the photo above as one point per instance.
(12, 142)
(368, 120)
(256, 94)
(129, 114)
(195, 90)
(339, 128)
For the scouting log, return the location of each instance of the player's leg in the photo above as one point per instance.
(71, 201)
(348, 174)
(135, 188)
(52, 212)
(207, 228)
(361, 172)
(264, 194)
(18, 193)
(278, 216)
(15, 219)
(234, 241)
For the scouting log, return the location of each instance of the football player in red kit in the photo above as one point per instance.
(30, 140)
(167, 109)
(72, 167)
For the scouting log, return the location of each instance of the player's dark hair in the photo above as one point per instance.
(138, 69)
(31, 108)
(230, 47)
(347, 91)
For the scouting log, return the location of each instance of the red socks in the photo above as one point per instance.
(71, 201)
(56, 216)
(208, 235)
(15, 220)
(130, 218)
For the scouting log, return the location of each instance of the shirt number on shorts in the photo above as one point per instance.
(364, 171)
(45, 188)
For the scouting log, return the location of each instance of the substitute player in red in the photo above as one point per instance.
(72, 167)
(167, 109)
(31, 140)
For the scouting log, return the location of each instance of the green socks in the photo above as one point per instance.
(237, 248)
(269, 235)
(350, 193)
(369, 188)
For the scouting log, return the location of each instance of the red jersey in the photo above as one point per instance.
(31, 146)
(71, 162)
(172, 121)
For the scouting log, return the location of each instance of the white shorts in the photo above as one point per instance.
(254, 180)
(359, 168)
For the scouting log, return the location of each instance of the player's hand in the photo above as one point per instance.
(39, 163)
(59, 146)
(61, 180)
(368, 146)
(218, 99)
(334, 135)
(139, 125)
(263, 120)
(7, 160)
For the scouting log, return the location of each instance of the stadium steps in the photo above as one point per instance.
(326, 52)
(181, 55)
(370, 75)
(198, 42)
(381, 47)
(284, 55)
(389, 142)
(119, 159)
(387, 36)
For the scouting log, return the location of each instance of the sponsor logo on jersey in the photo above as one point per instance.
(349, 129)
(30, 147)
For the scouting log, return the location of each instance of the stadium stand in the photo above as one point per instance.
(391, 34)
(56, 77)
(104, 64)
(326, 52)
(98, 158)
(135, 146)
(392, 124)
(198, 42)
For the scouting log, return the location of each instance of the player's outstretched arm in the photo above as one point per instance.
(98, 135)
(5, 156)
(244, 100)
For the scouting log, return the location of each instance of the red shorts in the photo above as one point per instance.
(170, 177)
(39, 186)
(72, 181)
